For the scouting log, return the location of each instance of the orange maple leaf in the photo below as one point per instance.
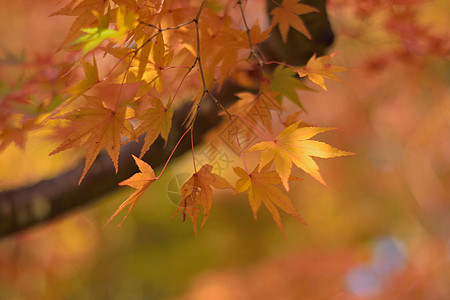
(16, 132)
(261, 186)
(97, 125)
(157, 120)
(141, 182)
(286, 15)
(292, 145)
(231, 42)
(196, 194)
(318, 69)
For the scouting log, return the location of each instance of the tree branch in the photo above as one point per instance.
(35, 204)
(44, 201)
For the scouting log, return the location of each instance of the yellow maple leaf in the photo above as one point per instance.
(196, 194)
(286, 16)
(100, 124)
(91, 74)
(261, 187)
(141, 182)
(161, 59)
(318, 69)
(293, 145)
(126, 20)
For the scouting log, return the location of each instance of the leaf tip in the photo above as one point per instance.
(82, 177)
(285, 184)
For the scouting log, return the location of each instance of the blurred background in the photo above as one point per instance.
(380, 232)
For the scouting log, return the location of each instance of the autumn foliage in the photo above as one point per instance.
(87, 85)
(135, 61)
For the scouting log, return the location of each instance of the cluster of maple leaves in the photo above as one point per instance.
(154, 55)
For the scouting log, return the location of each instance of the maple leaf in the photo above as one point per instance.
(157, 120)
(126, 20)
(16, 132)
(161, 58)
(143, 57)
(91, 73)
(283, 82)
(292, 145)
(230, 43)
(170, 13)
(196, 194)
(286, 15)
(153, 59)
(141, 182)
(83, 11)
(261, 187)
(93, 36)
(99, 124)
(318, 69)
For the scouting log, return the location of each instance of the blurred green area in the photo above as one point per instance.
(380, 232)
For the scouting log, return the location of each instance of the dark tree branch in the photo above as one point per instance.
(44, 201)
(35, 204)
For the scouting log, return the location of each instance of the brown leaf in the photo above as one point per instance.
(197, 194)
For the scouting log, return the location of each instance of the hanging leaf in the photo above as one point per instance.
(197, 194)
(261, 185)
(283, 82)
(287, 15)
(139, 181)
(100, 124)
(318, 69)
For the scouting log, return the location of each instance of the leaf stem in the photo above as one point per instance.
(192, 146)
(229, 115)
(254, 127)
(281, 63)
(179, 87)
(239, 146)
(168, 28)
(173, 151)
(123, 81)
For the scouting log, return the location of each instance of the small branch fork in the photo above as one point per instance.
(202, 75)
(252, 48)
(197, 62)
